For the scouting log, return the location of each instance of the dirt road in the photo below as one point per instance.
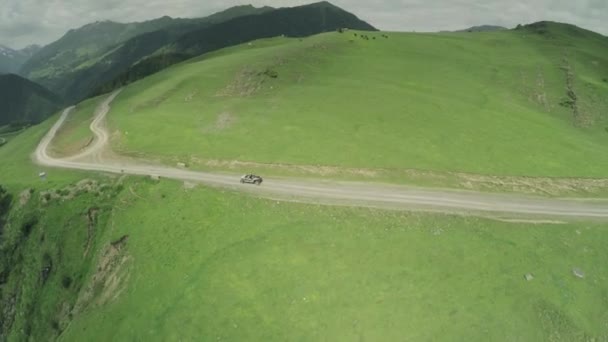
(507, 206)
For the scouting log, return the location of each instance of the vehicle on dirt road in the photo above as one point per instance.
(251, 179)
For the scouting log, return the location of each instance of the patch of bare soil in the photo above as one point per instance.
(71, 191)
(251, 79)
(580, 117)
(189, 185)
(245, 83)
(8, 307)
(533, 185)
(190, 96)
(223, 121)
(91, 219)
(318, 170)
(24, 196)
(154, 102)
(87, 144)
(109, 279)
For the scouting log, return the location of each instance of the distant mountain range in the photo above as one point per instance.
(24, 102)
(12, 60)
(480, 28)
(103, 55)
(484, 28)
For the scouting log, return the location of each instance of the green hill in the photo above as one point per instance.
(93, 257)
(484, 28)
(24, 102)
(517, 103)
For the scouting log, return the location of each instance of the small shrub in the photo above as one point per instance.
(47, 267)
(5, 201)
(28, 225)
(120, 242)
(55, 325)
(66, 281)
(4, 276)
(605, 79)
(271, 73)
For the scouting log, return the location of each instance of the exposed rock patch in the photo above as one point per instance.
(110, 277)
(24, 196)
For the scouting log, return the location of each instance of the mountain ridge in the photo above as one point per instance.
(11, 60)
(25, 102)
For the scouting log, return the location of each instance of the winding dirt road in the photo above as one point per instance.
(507, 206)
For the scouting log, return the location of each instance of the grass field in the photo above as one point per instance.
(220, 266)
(207, 264)
(17, 171)
(7, 134)
(485, 103)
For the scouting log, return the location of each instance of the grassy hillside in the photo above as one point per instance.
(49, 241)
(25, 102)
(489, 103)
(134, 259)
(237, 268)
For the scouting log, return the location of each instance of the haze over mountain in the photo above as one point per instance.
(12, 60)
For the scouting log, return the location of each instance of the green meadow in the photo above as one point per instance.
(165, 261)
(215, 265)
(482, 103)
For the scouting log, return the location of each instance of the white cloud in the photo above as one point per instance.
(23, 22)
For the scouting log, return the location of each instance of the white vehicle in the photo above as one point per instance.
(252, 179)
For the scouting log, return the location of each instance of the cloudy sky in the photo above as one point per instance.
(24, 22)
